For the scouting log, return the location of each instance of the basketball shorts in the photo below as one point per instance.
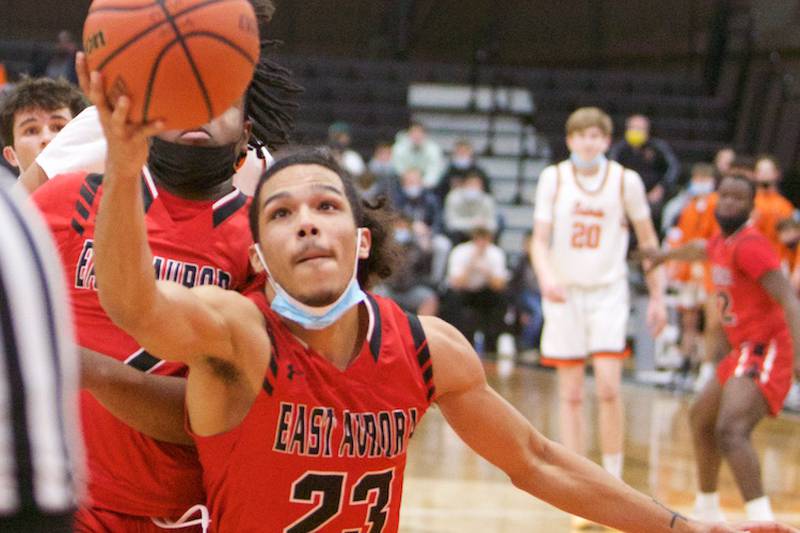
(769, 364)
(94, 520)
(592, 322)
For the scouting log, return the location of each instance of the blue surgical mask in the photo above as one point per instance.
(402, 235)
(314, 317)
(413, 191)
(582, 164)
(700, 189)
(471, 194)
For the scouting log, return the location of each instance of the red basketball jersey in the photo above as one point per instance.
(323, 449)
(748, 312)
(193, 243)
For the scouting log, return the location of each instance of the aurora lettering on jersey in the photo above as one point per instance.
(187, 274)
(308, 431)
(585, 210)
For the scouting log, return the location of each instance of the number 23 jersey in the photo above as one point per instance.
(589, 218)
(323, 449)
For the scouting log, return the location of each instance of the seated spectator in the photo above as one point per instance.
(423, 208)
(32, 113)
(475, 299)
(380, 177)
(462, 162)
(467, 208)
(701, 183)
(524, 295)
(413, 149)
(723, 160)
(408, 285)
(652, 158)
(771, 207)
(339, 140)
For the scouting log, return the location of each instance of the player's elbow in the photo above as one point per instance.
(525, 473)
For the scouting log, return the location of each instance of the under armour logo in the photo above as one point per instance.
(292, 371)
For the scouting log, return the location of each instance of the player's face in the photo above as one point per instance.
(229, 127)
(588, 143)
(735, 198)
(33, 130)
(308, 233)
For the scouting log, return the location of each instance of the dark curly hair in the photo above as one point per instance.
(384, 256)
(37, 93)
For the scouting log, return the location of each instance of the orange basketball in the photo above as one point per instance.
(181, 61)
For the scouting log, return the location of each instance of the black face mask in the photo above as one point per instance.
(729, 224)
(194, 167)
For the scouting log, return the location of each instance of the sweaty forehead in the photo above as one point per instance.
(299, 179)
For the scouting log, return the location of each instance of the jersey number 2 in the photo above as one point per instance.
(327, 489)
(585, 235)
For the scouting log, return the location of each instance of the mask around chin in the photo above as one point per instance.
(730, 224)
(187, 166)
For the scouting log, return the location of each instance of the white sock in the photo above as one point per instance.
(612, 462)
(759, 509)
(706, 507)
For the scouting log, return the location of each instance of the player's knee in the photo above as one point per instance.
(607, 393)
(572, 398)
(730, 435)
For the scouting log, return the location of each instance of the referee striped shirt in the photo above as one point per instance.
(39, 433)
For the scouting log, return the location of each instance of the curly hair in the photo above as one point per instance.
(384, 256)
(37, 93)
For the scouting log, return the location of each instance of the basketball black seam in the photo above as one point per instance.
(152, 28)
(189, 58)
(223, 40)
(151, 80)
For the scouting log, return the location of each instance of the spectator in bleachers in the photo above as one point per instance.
(413, 148)
(61, 64)
(409, 285)
(476, 288)
(652, 158)
(467, 208)
(339, 139)
(462, 162)
(383, 180)
(413, 200)
(723, 160)
(32, 113)
(524, 295)
(771, 207)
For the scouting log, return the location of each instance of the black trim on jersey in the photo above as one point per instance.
(143, 361)
(76, 226)
(81, 209)
(423, 353)
(87, 195)
(94, 181)
(225, 211)
(267, 386)
(273, 362)
(16, 391)
(147, 196)
(273, 366)
(56, 347)
(375, 340)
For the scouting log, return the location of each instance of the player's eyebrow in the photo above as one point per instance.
(285, 194)
(26, 121)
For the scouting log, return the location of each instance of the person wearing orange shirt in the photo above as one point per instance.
(772, 207)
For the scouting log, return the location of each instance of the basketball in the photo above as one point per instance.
(180, 61)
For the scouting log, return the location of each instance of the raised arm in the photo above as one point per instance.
(543, 468)
(151, 404)
(776, 284)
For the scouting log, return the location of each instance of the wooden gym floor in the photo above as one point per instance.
(450, 489)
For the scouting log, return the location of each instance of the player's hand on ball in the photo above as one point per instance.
(127, 142)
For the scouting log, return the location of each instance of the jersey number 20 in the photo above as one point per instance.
(585, 235)
(327, 489)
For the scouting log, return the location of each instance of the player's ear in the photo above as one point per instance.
(255, 260)
(364, 243)
(11, 156)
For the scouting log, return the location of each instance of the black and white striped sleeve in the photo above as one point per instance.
(39, 432)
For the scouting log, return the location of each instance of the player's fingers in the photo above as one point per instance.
(119, 117)
(151, 128)
(97, 96)
(82, 69)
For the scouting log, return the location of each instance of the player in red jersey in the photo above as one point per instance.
(302, 397)
(761, 319)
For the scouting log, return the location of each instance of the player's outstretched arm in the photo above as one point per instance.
(776, 284)
(691, 251)
(543, 468)
(151, 404)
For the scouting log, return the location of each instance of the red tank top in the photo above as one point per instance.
(193, 243)
(747, 311)
(323, 449)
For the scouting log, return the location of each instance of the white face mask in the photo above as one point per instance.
(314, 317)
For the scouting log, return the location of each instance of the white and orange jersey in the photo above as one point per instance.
(589, 217)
